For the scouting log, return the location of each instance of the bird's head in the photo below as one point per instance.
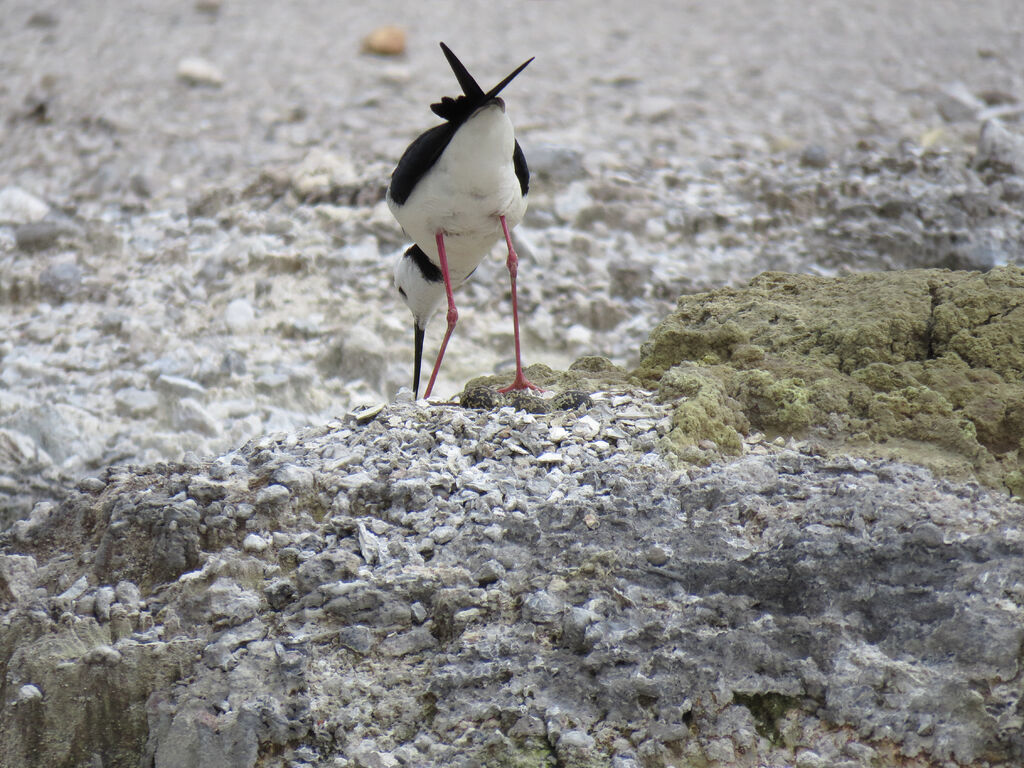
(462, 108)
(420, 285)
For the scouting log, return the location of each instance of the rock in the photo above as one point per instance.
(385, 41)
(254, 543)
(29, 692)
(358, 639)
(20, 207)
(855, 369)
(488, 573)
(297, 479)
(240, 317)
(136, 403)
(188, 415)
(61, 281)
(196, 71)
(17, 578)
(999, 149)
(230, 604)
(38, 235)
(814, 156)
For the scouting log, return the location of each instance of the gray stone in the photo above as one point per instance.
(17, 578)
(61, 281)
(359, 639)
(136, 403)
(39, 235)
(231, 604)
(101, 606)
(188, 415)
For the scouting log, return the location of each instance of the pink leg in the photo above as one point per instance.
(453, 313)
(520, 381)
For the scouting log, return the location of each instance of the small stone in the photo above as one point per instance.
(38, 235)
(240, 316)
(999, 149)
(128, 595)
(231, 604)
(385, 41)
(272, 497)
(297, 479)
(542, 608)
(404, 643)
(586, 427)
(135, 403)
(196, 71)
(72, 593)
(814, 156)
(579, 740)
(29, 692)
(105, 597)
(443, 534)
(657, 554)
(279, 593)
(358, 638)
(488, 573)
(61, 281)
(19, 207)
(254, 543)
(188, 415)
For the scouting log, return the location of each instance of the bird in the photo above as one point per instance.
(458, 188)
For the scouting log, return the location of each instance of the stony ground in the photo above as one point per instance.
(190, 256)
(194, 253)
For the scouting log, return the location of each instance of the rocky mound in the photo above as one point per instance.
(924, 365)
(438, 586)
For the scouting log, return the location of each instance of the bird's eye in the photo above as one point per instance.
(402, 291)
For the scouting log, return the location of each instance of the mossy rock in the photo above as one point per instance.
(921, 365)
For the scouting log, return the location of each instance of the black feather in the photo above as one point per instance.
(522, 170)
(428, 146)
(430, 271)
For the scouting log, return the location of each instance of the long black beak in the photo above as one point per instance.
(469, 85)
(417, 337)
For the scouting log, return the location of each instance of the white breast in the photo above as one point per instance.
(468, 188)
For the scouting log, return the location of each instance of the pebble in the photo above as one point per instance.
(240, 316)
(385, 41)
(38, 235)
(29, 692)
(136, 403)
(586, 427)
(20, 207)
(254, 543)
(197, 71)
(188, 415)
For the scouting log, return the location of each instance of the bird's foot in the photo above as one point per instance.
(520, 382)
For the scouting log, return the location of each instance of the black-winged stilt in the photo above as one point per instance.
(458, 188)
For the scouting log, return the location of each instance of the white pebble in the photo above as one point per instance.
(254, 543)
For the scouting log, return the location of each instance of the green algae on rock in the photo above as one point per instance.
(921, 365)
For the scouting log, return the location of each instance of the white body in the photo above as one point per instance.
(462, 195)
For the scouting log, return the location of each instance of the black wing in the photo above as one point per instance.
(522, 170)
(419, 158)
